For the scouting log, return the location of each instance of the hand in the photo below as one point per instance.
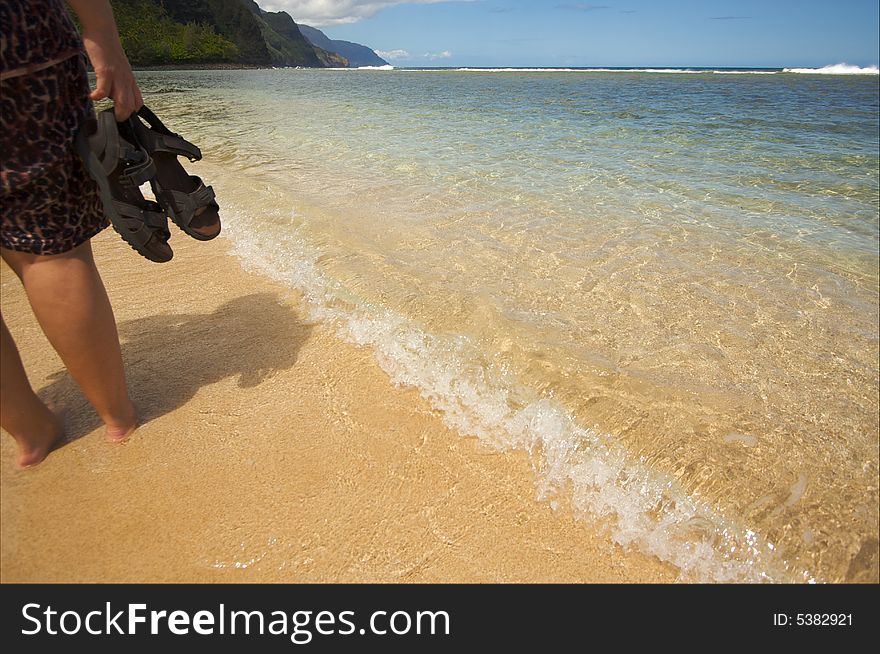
(115, 79)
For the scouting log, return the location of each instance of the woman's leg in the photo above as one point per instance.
(34, 427)
(71, 305)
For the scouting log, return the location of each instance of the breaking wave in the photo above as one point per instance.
(835, 69)
(595, 476)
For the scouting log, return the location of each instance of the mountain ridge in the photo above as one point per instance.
(220, 33)
(357, 55)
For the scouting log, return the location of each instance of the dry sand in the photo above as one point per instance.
(270, 451)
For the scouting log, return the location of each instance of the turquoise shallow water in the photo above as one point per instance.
(664, 286)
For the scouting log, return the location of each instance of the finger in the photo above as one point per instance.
(102, 89)
(123, 105)
(122, 110)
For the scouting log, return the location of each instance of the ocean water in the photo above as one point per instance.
(662, 286)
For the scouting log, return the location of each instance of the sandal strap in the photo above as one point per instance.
(143, 222)
(139, 168)
(175, 145)
(163, 139)
(105, 142)
(184, 204)
(109, 148)
(154, 216)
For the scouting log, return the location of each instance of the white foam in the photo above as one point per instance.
(665, 71)
(835, 69)
(745, 72)
(387, 67)
(512, 70)
(668, 71)
(642, 508)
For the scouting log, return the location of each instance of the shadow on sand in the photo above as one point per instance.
(169, 358)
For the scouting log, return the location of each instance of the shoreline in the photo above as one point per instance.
(200, 66)
(270, 451)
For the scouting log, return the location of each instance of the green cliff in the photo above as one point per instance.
(286, 42)
(214, 32)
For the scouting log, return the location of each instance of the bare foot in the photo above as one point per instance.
(34, 448)
(119, 434)
(119, 429)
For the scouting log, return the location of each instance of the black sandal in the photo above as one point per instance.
(120, 167)
(190, 204)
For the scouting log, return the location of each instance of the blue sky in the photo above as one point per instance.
(627, 33)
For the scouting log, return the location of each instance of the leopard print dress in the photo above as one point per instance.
(48, 202)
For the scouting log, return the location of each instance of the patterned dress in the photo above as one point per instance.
(48, 202)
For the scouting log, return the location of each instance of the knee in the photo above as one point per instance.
(55, 271)
(20, 262)
(17, 261)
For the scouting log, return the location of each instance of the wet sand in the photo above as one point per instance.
(270, 451)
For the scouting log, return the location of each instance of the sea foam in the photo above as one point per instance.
(640, 507)
(385, 67)
(668, 71)
(836, 69)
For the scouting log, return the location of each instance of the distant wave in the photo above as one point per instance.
(388, 67)
(836, 69)
(516, 70)
(686, 71)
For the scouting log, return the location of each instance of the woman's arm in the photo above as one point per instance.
(101, 39)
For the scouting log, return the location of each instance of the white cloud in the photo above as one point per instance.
(400, 55)
(337, 12)
(394, 54)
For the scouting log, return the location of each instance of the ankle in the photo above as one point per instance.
(124, 415)
(120, 424)
(41, 436)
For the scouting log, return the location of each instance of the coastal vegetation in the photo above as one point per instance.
(214, 32)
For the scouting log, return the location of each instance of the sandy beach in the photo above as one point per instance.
(270, 451)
